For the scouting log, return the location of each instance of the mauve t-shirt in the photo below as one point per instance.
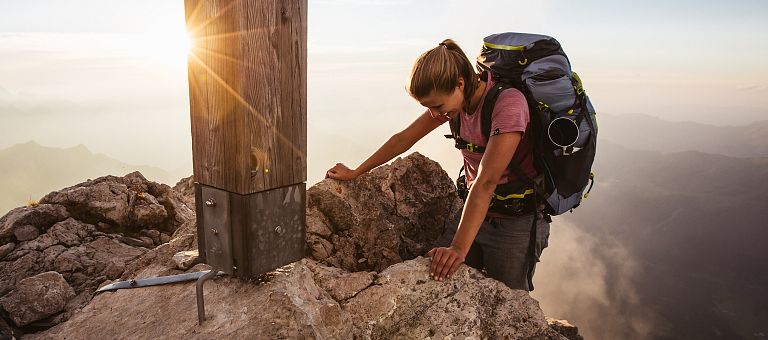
(510, 114)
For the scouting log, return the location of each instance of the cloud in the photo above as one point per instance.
(591, 282)
(753, 88)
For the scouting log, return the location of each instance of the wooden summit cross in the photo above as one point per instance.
(248, 108)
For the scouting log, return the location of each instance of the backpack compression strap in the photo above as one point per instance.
(461, 144)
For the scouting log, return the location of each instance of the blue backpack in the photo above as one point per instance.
(563, 127)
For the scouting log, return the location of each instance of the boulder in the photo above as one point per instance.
(391, 214)
(405, 303)
(186, 259)
(128, 203)
(37, 297)
(565, 329)
(41, 217)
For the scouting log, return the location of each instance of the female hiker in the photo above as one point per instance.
(496, 241)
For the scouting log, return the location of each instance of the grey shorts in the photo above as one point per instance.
(501, 246)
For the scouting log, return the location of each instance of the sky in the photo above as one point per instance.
(111, 75)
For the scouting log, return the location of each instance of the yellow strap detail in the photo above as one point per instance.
(505, 47)
(579, 86)
(526, 193)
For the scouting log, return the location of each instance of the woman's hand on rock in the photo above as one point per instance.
(445, 261)
(341, 172)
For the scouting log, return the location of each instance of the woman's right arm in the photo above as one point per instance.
(396, 145)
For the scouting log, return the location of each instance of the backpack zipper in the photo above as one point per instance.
(522, 61)
(505, 47)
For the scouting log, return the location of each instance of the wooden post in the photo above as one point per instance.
(248, 109)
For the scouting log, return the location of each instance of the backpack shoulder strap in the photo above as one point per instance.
(487, 113)
(488, 104)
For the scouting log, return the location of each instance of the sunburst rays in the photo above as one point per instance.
(200, 50)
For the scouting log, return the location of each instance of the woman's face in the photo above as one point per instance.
(445, 104)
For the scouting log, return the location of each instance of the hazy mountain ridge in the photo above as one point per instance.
(31, 171)
(694, 223)
(644, 132)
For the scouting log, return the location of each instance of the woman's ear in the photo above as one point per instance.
(461, 84)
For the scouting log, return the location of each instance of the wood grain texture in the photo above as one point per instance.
(248, 93)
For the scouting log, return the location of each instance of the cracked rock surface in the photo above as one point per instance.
(393, 213)
(364, 278)
(300, 301)
(85, 234)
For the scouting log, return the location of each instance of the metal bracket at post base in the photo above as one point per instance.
(235, 231)
(199, 292)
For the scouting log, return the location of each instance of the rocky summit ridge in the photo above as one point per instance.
(363, 276)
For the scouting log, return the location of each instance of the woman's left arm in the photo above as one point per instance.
(498, 154)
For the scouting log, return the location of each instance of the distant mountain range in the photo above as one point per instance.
(643, 132)
(30, 171)
(690, 224)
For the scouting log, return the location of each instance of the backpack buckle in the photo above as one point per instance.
(569, 150)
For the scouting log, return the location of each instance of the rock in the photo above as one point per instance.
(392, 213)
(42, 216)
(106, 201)
(147, 210)
(155, 236)
(320, 247)
(67, 262)
(364, 229)
(74, 231)
(186, 259)
(37, 297)
(19, 269)
(406, 303)
(565, 329)
(131, 241)
(340, 284)
(147, 242)
(292, 302)
(26, 233)
(6, 249)
(186, 189)
(128, 202)
(200, 267)
(6, 332)
(156, 262)
(289, 305)
(164, 238)
(69, 232)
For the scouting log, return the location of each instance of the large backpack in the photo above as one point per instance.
(563, 126)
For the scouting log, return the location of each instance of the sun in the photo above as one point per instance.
(169, 45)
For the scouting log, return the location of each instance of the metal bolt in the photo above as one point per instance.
(210, 202)
(215, 232)
(279, 230)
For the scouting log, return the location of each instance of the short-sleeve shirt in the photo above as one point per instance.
(510, 114)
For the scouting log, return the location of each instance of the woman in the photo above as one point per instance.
(444, 81)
